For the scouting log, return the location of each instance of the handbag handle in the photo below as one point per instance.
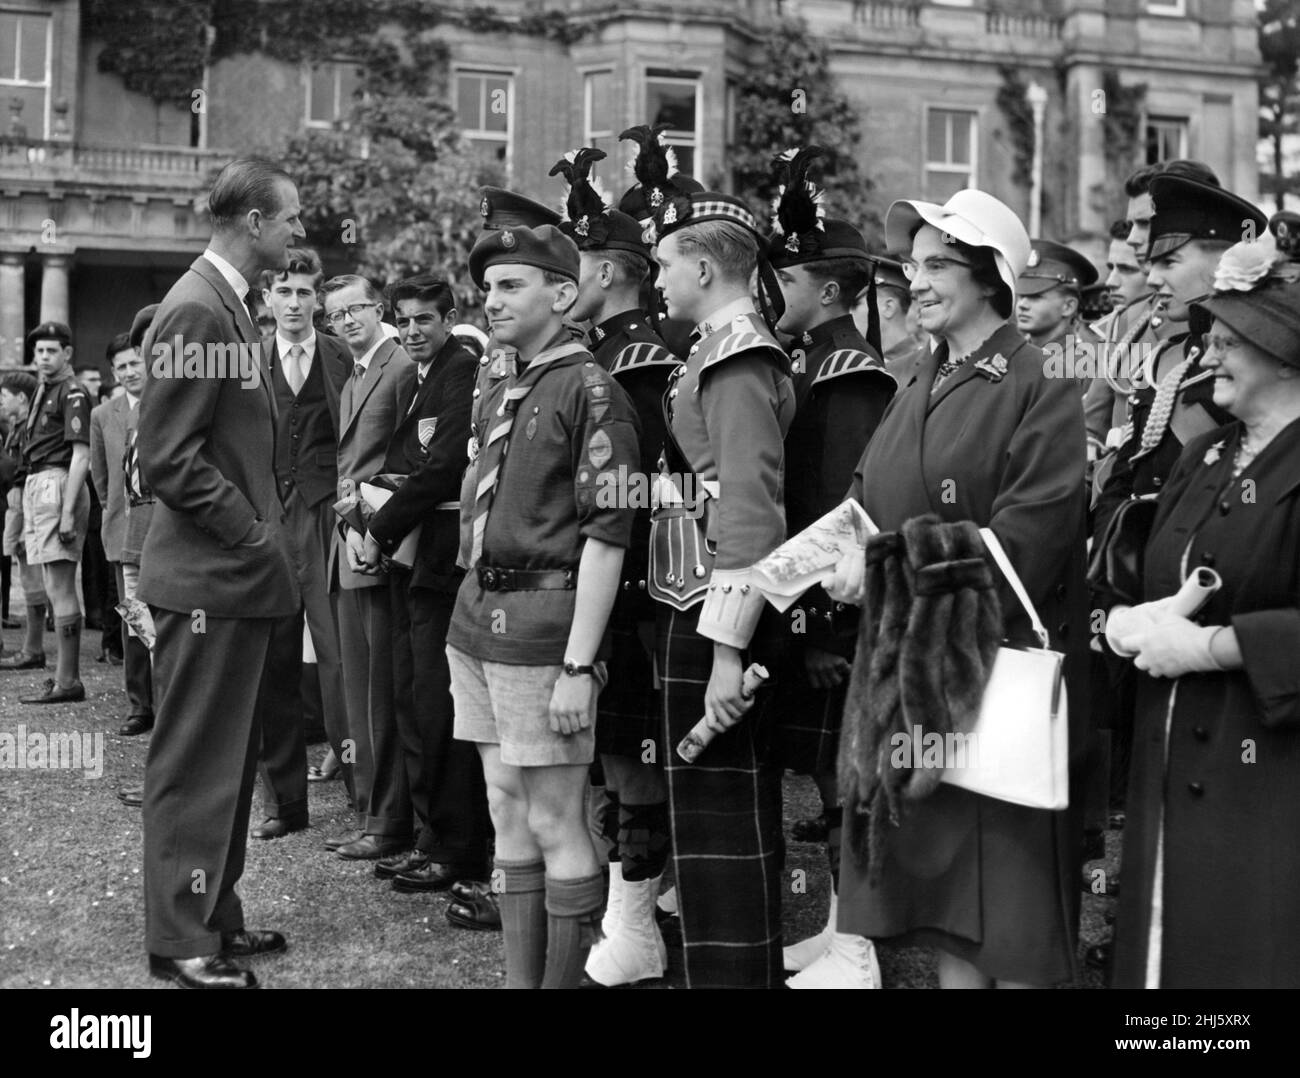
(1008, 571)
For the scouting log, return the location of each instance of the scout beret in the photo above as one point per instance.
(507, 209)
(545, 247)
(141, 322)
(1053, 264)
(1186, 210)
(51, 331)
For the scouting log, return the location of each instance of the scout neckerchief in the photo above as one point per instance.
(35, 409)
(493, 450)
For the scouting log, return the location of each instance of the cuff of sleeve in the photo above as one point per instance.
(731, 610)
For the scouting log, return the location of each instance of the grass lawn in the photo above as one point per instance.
(71, 907)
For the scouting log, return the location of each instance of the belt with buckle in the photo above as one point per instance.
(492, 579)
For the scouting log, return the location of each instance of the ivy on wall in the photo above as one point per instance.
(1013, 101)
(1124, 106)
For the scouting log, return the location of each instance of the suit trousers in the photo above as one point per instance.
(282, 761)
(366, 639)
(444, 776)
(198, 779)
(135, 659)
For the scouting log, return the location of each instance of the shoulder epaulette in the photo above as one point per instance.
(642, 354)
(743, 335)
(849, 361)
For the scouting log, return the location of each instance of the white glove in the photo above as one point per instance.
(1174, 647)
(1125, 624)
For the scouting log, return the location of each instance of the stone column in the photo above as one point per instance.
(1086, 101)
(12, 293)
(54, 286)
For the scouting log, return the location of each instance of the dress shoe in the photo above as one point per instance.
(131, 796)
(434, 876)
(114, 659)
(54, 693)
(849, 962)
(22, 660)
(136, 725)
(474, 906)
(813, 829)
(372, 847)
(206, 971)
(1100, 955)
(248, 943)
(329, 769)
(335, 841)
(388, 867)
(278, 827)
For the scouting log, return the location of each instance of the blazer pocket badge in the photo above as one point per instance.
(424, 431)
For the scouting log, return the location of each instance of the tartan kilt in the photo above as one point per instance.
(728, 846)
(806, 733)
(628, 710)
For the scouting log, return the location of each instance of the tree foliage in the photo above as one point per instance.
(1279, 97)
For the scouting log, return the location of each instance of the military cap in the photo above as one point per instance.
(507, 209)
(51, 331)
(545, 247)
(1053, 265)
(801, 232)
(889, 274)
(700, 207)
(591, 224)
(1186, 210)
(141, 322)
(655, 169)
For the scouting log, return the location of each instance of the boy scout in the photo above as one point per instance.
(615, 265)
(17, 389)
(841, 390)
(56, 501)
(531, 614)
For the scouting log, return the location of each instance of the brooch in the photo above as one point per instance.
(994, 367)
(1213, 454)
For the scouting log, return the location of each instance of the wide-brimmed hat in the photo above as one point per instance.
(973, 217)
(1256, 295)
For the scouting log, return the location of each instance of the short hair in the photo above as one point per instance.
(347, 280)
(244, 185)
(630, 268)
(301, 260)
(903, 296)
(87, 367)
(19, 382)
(550, 277)
(1120, 229)
(1139, 181)
(120, 343)
(851, 274)
(424, 287)
(984, 272)
(731, 247)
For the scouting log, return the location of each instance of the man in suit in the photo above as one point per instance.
(371, 405)
(448, 795)
(110, 426)
(216, 569)
(306, 371)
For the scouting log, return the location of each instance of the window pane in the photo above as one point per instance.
(960, 123)
(33, 29)
(32, 116)
(497, 104)
(936, 145)
(468, 89)
(322, 94)
(941, 186)
(349, 79)
(685, 159)
(600, 101)
(672, 104)
(8, 46)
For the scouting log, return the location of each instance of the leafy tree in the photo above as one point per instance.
(1279, 44)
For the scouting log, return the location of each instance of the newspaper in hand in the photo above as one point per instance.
(811, 556)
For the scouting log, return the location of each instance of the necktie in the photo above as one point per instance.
(359, 371)
(295, 370)
(252, 312)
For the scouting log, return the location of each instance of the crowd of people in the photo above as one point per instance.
(507, 644)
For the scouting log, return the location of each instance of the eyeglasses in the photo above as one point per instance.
(931, 267)
(1220, 343)
(354, 311)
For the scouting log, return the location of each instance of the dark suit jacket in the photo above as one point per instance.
(109, 423)
(317, 479)
(369, 412)
(207, 444)
(434, 465)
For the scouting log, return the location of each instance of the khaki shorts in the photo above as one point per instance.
(506, 705)
(42, 505)
(13, 537)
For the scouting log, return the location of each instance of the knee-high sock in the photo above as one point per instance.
(522, 901)
(609, 830)
(35, 642)
(68, 628)
(572, 917)
(643, 839)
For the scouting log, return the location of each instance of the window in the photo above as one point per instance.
(24, 71)
(598, 121)
(331, 88)
(950, 158)
(484, 106)
(1174, 8)
(675, 100)
(1166, 139)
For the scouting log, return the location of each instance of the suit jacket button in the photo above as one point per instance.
(1157, 481)
(1224, 507)
(1060, 592)
(1196, 789)
(1201, 733)
(1207, 558)
(1063, 630)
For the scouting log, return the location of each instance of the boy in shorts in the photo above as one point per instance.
(530, 616)
(17, 388)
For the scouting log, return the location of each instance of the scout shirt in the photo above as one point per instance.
(59, 417)
(627, 347)
(729, 409)
(572, 433)
(841, 390)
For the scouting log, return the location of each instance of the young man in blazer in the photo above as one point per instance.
(371, 405)
(448, 796)
(307, 372)
(216, 570)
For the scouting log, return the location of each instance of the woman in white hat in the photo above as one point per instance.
(978, 433)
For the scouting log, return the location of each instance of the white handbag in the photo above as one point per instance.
(1019, 748)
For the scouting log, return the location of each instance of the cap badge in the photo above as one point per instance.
(483, 207)
(656, 197)
(792, 244)
(670, 215)
(507, 239)
(583, 225)
(1033, 259)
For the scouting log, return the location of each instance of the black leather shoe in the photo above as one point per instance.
(474, 907)
(136, 725)
(388, 867)
(1100, 955)
(372, 847)
(132, 796)
(813, 829)
(278, 827)
(54, 693)
(434, 876)
(336, 841)
(248, 943)
(206, 971)
(22, 660)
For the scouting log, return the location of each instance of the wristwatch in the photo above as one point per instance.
(572, 669)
